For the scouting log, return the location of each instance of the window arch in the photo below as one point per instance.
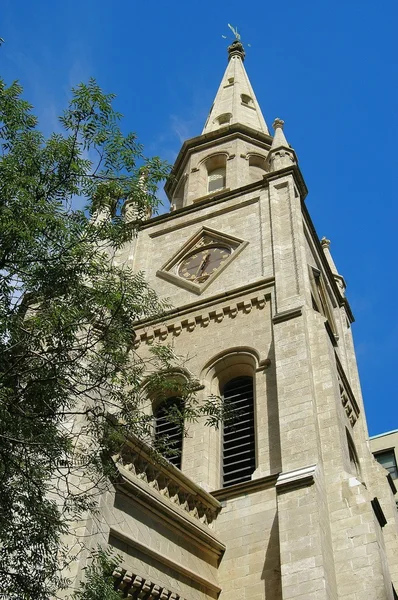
(231, 374)
(169, 429)
(238, 441)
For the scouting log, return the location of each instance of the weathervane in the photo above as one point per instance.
(235, 32)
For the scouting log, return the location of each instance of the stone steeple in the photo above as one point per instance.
(281, 154)
(235, 101)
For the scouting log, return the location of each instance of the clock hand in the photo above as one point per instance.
(202, 266)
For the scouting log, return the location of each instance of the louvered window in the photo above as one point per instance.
(239, 460)
(216, 179)
(169, 430)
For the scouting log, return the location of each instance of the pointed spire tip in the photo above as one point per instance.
(278, 123)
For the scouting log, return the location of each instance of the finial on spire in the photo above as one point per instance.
(325, 243)
(236, 48)
(278, 123)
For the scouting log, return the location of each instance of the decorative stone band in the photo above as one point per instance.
(295, 479)
(167, 482)
(160, 332)
(346, 394)
(135, 586)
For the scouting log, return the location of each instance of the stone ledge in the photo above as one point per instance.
(248, 487)
(171, 515)
(286, 315)
(295, 479)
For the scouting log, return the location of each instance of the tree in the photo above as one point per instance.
(69, 376)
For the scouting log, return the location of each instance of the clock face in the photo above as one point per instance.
(199, 265)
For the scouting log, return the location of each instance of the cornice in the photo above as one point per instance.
(208, 139)
(210, 200)
(204, 312)
(168, 495)
(169, 514)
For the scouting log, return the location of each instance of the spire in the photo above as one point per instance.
(281, 154)
(235, 101)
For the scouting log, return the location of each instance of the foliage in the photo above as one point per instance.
(71, 384)
(66, 322)
(98, 583)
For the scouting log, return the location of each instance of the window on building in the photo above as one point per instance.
(247, 100)
(216, 172)
(388, 461)
(239, 460)
(216, 179)
(169, 429)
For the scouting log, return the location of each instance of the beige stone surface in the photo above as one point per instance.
(304, 527)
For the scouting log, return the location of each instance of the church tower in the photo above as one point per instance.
(287, 502)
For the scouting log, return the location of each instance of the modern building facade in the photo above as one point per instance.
(288, 502)
(385, 448)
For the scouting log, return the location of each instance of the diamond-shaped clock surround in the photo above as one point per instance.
(203, 238)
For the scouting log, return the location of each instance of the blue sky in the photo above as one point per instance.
(327, 68)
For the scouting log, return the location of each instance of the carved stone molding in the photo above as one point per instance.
(346, 395)
(167, 482)
(134, 586)
(161, 331)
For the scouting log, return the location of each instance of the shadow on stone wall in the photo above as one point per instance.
(271, 573)
(274, 439)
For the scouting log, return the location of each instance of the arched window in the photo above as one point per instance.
(239, 459)
(169, 429)
(216, 173)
